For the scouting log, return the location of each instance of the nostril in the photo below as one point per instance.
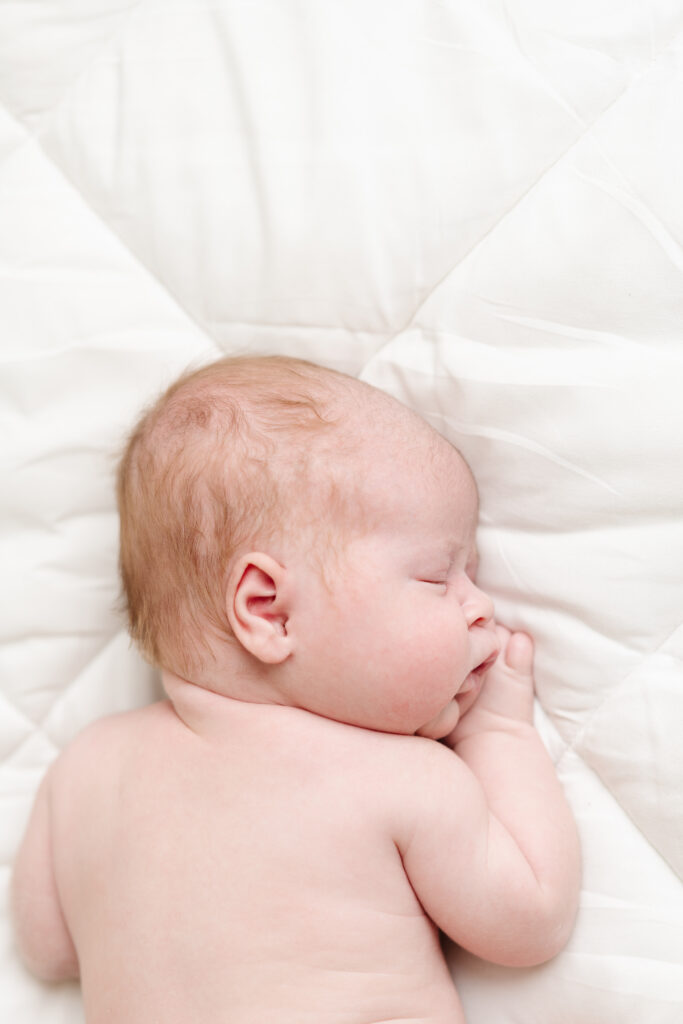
(481, 609)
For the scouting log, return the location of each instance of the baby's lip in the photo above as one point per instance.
(476, 675)
(486, 664)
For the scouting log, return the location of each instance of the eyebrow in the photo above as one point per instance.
(475, 557)
(451, 549)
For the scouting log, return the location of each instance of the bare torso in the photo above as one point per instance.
(238, 863)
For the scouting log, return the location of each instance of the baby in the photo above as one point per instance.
(281, 839)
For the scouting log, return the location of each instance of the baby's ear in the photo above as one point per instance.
(257, 609)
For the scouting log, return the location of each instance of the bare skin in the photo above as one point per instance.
(282, 842)
(164, 907)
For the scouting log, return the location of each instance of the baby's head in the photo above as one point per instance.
(297, 531)
(228, 458)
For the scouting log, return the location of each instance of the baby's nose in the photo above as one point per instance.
(479, 607)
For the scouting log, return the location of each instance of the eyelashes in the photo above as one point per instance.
(447, 573)
(444, 581)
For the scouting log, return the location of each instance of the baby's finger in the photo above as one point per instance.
(519, 653)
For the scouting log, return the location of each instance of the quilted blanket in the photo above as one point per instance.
(476, 206)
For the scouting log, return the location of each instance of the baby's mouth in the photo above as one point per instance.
(476, 675)
(482, 669)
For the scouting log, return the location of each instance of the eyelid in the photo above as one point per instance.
(442, 577)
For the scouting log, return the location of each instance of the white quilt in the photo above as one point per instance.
(474, 204)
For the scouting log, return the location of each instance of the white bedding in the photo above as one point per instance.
(475, 205)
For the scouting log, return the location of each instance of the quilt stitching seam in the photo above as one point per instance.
(84, 69)
(35, 137)
(571, 746)
(637, 77)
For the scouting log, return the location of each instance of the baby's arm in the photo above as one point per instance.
(42, 935)
(494, 854)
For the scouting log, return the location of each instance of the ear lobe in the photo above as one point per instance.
(257, 608)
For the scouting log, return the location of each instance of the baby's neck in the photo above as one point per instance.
(203, 706)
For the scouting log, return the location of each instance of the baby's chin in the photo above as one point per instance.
(443, 723)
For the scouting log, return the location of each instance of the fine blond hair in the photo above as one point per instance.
(226, 456)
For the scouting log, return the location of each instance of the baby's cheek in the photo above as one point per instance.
(466, 701)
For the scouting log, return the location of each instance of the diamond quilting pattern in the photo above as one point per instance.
(476, 208)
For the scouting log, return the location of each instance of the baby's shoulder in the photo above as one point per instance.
(407, 780)
(94, 753)
(389, 769)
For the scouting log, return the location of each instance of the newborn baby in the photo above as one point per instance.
(280, 840)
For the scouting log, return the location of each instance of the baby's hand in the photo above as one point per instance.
(507, 696)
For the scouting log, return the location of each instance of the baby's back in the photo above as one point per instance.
(245, 871)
